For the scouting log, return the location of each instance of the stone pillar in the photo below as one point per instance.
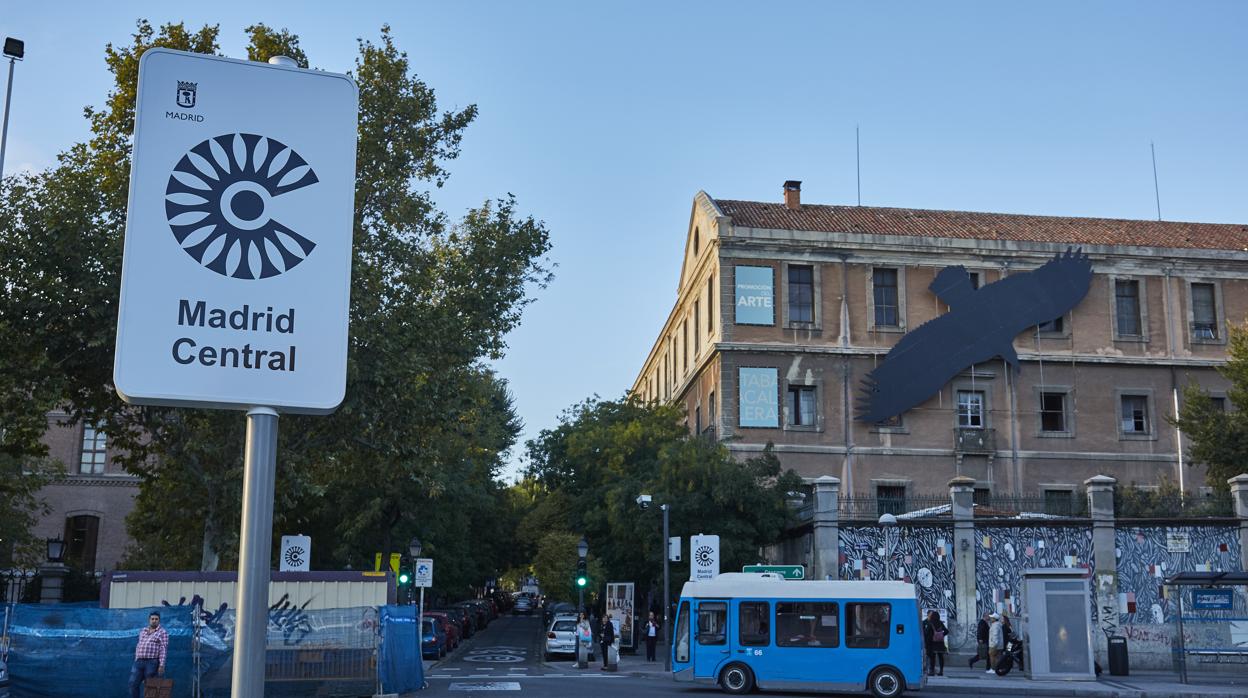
(1105, 583)
(827, 531)
(962, 497)
(52, 582)
(1239, 497)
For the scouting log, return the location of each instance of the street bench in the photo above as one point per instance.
(1220, 656)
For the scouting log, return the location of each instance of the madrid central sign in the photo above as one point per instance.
(237, 267)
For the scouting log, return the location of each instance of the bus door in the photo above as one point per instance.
(710, 639)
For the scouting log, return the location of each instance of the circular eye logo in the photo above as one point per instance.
(294, 556)
(220, 201)
(704, 555)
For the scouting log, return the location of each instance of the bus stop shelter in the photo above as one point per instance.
(1211, 593)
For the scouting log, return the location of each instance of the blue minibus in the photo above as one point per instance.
(748, 630)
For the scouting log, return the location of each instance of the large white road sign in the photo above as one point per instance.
(237, 271)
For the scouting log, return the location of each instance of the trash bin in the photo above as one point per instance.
(1118, 664)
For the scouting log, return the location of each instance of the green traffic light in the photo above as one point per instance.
(581, 581)
(402, 579)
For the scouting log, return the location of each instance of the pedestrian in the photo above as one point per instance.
(981, 641)
(934, 632)
(652, 636)
(584, 639)
(606, 637)
(1009, 636)
(996, 641)
(149, 654)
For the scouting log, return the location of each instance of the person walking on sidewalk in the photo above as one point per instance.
(981, 641)
(934, 632)
(652, 636)
(996, 641)
(149, 654)
(606, 637)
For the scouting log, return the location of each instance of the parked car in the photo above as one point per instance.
(557, 608)
(450, 626)
(560, 637)
(523, 606)
(480, 616)
(460, 617)
(433, 638)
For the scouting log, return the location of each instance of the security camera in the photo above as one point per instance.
(643, 501)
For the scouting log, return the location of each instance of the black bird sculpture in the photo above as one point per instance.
(981, 324)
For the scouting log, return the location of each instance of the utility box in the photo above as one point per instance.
(1057, 624)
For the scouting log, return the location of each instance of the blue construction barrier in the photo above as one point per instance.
(70, 650)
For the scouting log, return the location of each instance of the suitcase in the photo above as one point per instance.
(158, 688)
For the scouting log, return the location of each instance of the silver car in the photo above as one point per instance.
(560, 637)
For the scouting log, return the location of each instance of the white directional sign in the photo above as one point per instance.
(703, 557)
(424, 573)
(296, 554)
(237, 268)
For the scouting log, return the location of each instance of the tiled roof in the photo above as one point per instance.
(987, 226)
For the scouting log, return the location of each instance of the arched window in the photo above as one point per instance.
(81, 535)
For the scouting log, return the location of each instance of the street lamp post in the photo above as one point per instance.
(14, 50)
(667, 591)
(414, 548)
(887, 522)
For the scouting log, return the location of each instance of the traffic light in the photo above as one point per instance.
(403, 578)
(582, 575)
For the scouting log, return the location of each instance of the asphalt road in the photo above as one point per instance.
(507, 657)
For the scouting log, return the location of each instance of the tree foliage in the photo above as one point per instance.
(415, 447)
(603, 454)
(1217, 437)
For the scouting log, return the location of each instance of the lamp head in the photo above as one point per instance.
(14, 48)
(888, 520)
(414, 548)
(582, 548)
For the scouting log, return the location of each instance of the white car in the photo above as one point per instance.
(561, 637)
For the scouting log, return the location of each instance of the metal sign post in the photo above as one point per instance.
(422, 578)
(236, 275)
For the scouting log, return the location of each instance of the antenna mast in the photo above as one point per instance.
(1156, 189)
(858, 161)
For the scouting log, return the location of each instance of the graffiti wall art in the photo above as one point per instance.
(1002, 553)
(921, 555)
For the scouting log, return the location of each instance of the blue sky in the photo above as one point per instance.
(605, 118)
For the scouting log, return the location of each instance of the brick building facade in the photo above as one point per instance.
(783, 308)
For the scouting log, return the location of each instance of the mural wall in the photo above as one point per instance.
(1002, 553)
(921, 555)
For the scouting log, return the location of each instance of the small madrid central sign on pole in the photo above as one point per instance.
(236, 276)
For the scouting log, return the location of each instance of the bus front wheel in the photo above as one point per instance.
(886, 682)
(736, 679)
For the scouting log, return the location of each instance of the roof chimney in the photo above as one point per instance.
(793, 195)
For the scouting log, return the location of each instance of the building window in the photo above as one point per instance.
(980, 496)
(1204, 312)
(94, 447)
(1053, 412)
(802, 410)
(885, 296)
(971, 409)
(806, 624)
(890, 499)
(1135, 414)
(974, 276)
(710, 305)
(1058, 502)
(801, 294)
(1217, 403)
(81, 535)
(867, 625)
(1054, 326)
(1127, 307)
(696, 242)
(697, 315)
(754, 626)
(684, 346)
(893, 422)
(710, 409)
(697, 420)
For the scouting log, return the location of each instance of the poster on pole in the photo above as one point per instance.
(236, 270)
(704, 557)
(620, 611)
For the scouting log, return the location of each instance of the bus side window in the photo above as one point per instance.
(754, 623)
(867, 625)
(807, 624)
(682, 633)
(712, 622)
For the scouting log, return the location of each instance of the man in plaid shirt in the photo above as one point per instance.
(149, 654)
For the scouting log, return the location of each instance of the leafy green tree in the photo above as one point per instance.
(555, 568)
(417, 444)
(605, 453)
(1218, 438)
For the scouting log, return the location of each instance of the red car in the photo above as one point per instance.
(452, 628)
